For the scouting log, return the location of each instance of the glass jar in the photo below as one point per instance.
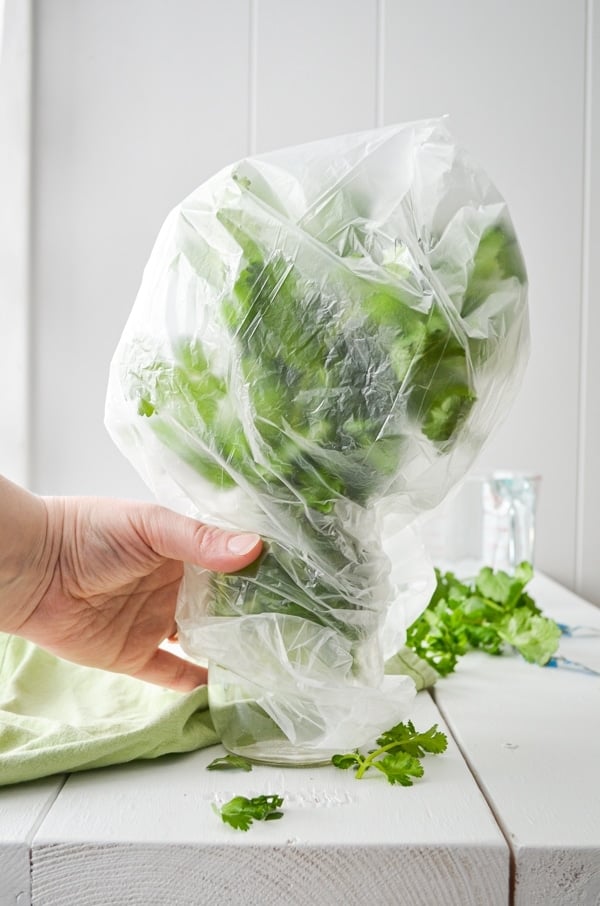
(238, 711)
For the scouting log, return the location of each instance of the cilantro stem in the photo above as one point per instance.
(370, 758)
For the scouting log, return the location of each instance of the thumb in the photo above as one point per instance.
(181, 538)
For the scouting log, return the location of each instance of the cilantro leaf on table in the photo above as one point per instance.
(349, 760)
(240, 812)
(399, 767)
(486, 612)
(230, 762)
(405, 738)
(398, 754)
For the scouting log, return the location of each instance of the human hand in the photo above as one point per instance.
(99, 586)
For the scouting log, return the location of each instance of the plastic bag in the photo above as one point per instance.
(324, 338)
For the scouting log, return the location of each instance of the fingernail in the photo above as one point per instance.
(242, 544)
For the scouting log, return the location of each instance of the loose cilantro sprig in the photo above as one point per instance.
(240, 812)
(398, 754)
(487, 612)
(230, 762)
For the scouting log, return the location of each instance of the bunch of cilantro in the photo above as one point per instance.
(489, 612)
(344, 377)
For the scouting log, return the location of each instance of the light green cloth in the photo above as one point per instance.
(59, 717)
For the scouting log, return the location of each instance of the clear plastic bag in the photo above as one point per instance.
(324, 338)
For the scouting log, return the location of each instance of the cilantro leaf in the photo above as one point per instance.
(535, 638)
(230, 762)
(350, 760)
(400, 749)
(404, 738)
(493, 585)
(240, 811)
(399, 767)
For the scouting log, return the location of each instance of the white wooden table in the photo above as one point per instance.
(511, 814)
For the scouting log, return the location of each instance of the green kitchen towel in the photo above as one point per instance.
(58, 717)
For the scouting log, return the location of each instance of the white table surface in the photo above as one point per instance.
(532, 738)
(22, 809)
(510, 814)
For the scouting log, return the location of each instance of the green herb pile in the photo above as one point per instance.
(489, 612)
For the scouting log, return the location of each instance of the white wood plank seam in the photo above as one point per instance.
(252, 73)
(44, 811)
(32, 833)
(585, 298)
(482, 789)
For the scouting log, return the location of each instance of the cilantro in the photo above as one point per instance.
(398, 754)
(535, 637)
(399, 767)
(341, 372)
(240, 812)
(486, 612)
(230, 762)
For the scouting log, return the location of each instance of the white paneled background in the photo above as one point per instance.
(135, 102)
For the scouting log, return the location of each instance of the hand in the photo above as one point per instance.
(97, 583)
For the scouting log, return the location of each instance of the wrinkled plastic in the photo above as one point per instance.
(324, 338)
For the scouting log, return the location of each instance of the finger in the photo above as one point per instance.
(181, 538)
(172, 672)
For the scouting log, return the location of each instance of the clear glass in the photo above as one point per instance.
(509, 506)
(245, 728)
(489, 521)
